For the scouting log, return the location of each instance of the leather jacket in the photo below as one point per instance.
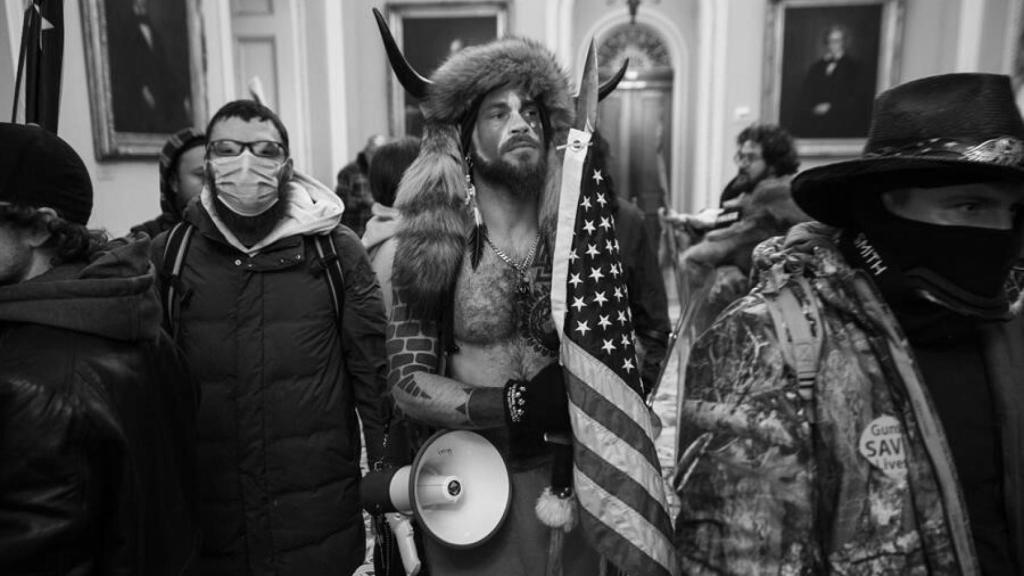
(97, 420)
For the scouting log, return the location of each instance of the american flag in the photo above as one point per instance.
(616, 475)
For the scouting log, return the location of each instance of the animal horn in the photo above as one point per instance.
(410, 79)
(609, 85)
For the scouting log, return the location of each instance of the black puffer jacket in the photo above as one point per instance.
(279, 441)
(97, 425)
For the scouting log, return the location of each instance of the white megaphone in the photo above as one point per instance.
(458, 489)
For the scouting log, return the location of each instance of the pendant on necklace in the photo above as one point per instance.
(523, 287)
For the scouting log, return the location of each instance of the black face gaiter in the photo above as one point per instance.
(962, 268)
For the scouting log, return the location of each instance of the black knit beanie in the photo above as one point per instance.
(40, 170)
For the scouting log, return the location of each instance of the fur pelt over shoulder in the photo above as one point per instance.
(436, 220)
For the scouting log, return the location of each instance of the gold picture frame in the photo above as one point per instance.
(144, 64)
(825, 62)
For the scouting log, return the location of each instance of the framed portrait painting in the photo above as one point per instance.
(430, 33)
(826, 60)
(144, 68)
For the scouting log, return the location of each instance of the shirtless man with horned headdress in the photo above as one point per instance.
(471, 344)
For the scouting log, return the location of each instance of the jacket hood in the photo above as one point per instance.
(112, 296)
(311, 208)
(381, 226)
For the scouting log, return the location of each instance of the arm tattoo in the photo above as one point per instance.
(419, 392)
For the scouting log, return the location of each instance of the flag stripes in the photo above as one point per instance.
(611, 403)
(632, 491)
(595, 408)
(623, 538)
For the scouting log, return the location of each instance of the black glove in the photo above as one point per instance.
(536, 406)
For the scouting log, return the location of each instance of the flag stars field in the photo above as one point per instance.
(582, 327)
(577, 303)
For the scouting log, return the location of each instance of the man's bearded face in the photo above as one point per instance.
(752, 168)
(508, 142)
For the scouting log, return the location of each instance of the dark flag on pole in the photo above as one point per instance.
(40, 62)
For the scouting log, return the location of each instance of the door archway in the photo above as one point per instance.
(636, 119)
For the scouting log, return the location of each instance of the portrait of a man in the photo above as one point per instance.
(148, 46)
(834, 100)
(830, 71)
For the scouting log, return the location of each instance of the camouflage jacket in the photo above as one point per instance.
(857, 479)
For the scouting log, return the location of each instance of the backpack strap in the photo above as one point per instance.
(174, 258)
(799, 328)
(328, 254)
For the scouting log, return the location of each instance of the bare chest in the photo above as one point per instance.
(502, 319)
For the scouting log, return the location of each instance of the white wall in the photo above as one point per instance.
(347, 77)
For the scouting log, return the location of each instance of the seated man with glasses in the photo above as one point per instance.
(756, 205)
(286, 344)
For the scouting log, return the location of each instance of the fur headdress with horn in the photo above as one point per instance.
(437, 221)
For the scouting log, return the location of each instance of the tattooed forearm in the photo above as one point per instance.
(419, 392)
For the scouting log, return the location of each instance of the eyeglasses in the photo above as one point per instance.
(263, 148)
(749, 158)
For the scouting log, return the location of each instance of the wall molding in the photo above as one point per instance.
(710, 141)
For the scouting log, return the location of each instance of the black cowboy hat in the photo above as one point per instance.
(940, 130)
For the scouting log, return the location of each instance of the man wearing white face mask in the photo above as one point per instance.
(287, 347)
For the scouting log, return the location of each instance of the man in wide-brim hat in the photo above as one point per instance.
(875, 425)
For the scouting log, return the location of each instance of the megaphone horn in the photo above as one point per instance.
(458, 488)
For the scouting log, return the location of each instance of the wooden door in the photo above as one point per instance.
(638, 126)
(266, 45)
